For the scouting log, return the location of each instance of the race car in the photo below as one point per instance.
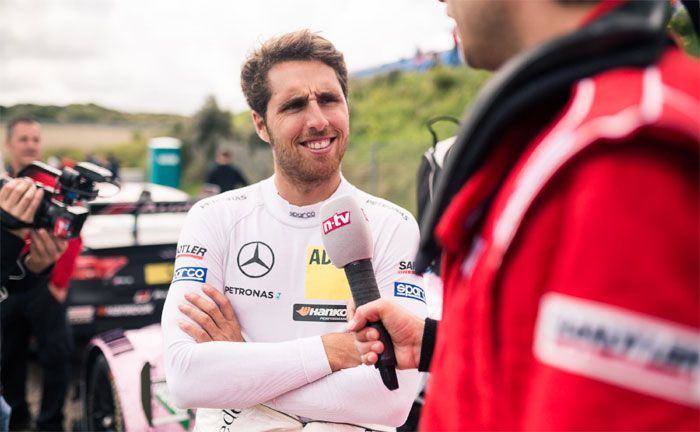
(123, 386)
(122, 275)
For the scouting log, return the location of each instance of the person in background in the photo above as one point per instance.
(568, 219)
(112, 164)
(37, 287)
(224, 174)
(19, 199)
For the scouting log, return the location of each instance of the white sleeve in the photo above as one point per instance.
(358, 395)
(225, 374)
(355, 395)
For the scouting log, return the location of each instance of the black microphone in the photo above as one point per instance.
(348, 243)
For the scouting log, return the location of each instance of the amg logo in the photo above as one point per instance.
(191, 251)
(319, 313)
(252, 292)
(336, 221)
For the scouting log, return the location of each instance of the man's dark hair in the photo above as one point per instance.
(17, 120)
(300, 45)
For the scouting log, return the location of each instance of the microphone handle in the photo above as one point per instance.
(363, 286)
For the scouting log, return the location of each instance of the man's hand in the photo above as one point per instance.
(45, 249)
(405, 329)
(20, 199)
(215, 321)
(340, 350)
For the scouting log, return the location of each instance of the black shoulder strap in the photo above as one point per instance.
(633, 34)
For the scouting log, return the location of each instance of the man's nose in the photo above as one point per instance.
(315, 118)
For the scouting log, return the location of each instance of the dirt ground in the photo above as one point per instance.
(73, 407)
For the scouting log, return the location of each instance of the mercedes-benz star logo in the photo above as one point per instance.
(255, 259)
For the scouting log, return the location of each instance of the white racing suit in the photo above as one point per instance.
(267, 257)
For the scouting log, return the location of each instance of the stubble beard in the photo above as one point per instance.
(303, 171)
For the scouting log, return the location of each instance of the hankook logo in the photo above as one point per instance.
(255, 259)
(319, 312)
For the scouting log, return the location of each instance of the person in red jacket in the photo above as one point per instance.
(37, 289)
(568, 218)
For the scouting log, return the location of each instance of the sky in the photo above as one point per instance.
(169, 55)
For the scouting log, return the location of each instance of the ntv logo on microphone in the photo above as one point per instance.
(336, 221)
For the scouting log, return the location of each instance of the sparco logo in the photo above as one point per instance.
(255, 259)
(319, 313)
(302, 215)
(197, 274)
(191, 251)
(252, 292)
(336, 221)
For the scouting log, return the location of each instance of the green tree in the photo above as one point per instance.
(213, 126)
(210, 127)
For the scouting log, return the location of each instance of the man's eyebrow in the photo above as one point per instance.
(294, 102)
(329, 95)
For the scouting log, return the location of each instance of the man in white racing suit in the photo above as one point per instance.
(288, 364)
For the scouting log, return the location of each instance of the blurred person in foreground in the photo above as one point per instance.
(254, 322)
(19, 199)
(224, 175)
(37, 285)
(568, 220)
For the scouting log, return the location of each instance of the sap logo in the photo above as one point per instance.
(319, 313)
(302, 215)
(196, 274)
(190, 251)
(319, 257)
(407, 267)
(407, 290)
(336, 221)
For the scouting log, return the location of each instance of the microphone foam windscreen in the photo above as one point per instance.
(345, 231)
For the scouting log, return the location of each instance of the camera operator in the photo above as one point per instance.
(37, 285)
(19, 198)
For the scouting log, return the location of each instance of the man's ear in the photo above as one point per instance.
(260, 127)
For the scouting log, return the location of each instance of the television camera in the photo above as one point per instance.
(60, 211)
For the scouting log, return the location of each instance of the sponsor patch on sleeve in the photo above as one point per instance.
(195, 274)
(620, 347)
(407, 290)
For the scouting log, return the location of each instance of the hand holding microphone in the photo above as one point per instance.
(348, 242)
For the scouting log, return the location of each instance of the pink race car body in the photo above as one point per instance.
(123, 386)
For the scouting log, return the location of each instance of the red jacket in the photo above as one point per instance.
(575, 305)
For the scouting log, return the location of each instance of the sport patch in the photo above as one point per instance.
(324, 281)
(620, 347)
(196, 274)
(407, 290)
(319, 313)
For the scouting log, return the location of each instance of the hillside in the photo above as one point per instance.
(85, 114)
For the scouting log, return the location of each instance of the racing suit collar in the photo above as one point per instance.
(297, 216)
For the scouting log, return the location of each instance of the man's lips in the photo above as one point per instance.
(318, 143)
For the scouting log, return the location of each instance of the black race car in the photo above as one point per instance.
(124, 271)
